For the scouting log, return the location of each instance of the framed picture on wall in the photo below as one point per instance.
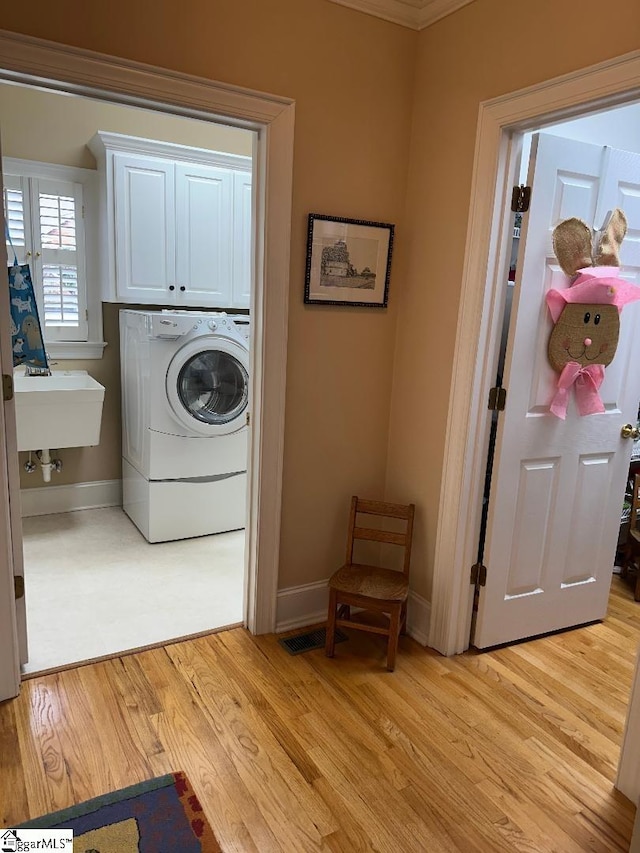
(348, 262)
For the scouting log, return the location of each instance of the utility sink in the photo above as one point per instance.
(61, 410)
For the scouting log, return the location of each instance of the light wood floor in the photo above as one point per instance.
(512, 750)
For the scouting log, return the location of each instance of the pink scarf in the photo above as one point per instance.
(587, 381)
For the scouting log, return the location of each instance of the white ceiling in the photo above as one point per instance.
(415, 14)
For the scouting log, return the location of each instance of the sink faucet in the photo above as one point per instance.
(32, 370)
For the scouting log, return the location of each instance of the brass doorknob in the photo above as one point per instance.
(629, 431)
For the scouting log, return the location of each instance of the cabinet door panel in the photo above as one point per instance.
(242, 239)
(145, 229)
(204, 197)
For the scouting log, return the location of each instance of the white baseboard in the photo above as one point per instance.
(418, 618)
(51, 499)
(299, 606)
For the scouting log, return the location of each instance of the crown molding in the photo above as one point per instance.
(415, 14)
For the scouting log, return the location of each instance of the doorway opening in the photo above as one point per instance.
(95, 584)
(592, 142)
(501, 120)
(538, 525)
(271, 118)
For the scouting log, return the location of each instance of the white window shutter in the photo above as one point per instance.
(58, 251)
(16, 214)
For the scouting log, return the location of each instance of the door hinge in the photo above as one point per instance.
(520, 198)
(478, 575)
(7, 387)
(248, 418)
(497, 399)
(18, 586)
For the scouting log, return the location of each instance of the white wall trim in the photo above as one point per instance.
(431, 11)
(104, 140)
(47, 500)
(52, 171)
(414, 14)
(75, 350)
(64, 68)
(628, 779)
(602, 85)
(299, 606)
(418, 618)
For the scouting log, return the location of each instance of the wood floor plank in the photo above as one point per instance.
(14, 802)
(514, 749)
(133, 692)
(537, 716)
(48, 725)
(570, 692)
(537, 825)
(187, 736)
(128, 760)
(39, 798)
(370, 811)
(287, 796)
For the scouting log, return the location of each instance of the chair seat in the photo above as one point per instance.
(370, 581)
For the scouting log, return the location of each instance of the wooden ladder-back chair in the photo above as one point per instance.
(632, 547)
(371, 587)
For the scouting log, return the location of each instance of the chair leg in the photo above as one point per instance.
(624, 568)
(330, 642)
(636, 594)
(394, 632)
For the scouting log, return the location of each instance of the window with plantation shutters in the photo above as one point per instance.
(14, 216)
(45, 221)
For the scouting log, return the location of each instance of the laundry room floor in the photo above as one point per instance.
(96, 587)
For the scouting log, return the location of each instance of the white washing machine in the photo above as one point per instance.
(185, 392)
(243, 324)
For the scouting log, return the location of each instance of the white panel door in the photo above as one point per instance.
(620, 189)
(145, 229)
(558, 486)
(242, 239)
(13, 636)
(204, 198)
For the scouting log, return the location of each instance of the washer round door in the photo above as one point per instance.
(208, 386)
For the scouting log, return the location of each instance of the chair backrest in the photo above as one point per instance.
(381, 510)
(635, 502)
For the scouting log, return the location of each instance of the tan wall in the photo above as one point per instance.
(351, 76)
(489, 48)
(54, 128)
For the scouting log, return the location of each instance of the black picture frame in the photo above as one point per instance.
(348, 260)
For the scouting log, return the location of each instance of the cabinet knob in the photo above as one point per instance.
(171, 287)
(182, 287)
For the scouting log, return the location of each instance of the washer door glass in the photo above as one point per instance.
(213, 387)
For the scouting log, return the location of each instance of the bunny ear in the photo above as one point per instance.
(612, 236)
(572, 245)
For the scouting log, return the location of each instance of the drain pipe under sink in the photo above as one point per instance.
(47, 464)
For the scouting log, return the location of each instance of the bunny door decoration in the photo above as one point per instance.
(586, 315)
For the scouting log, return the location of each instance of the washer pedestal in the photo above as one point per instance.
(165, 510)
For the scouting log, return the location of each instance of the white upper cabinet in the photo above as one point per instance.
(242, 239)
(176, 224)
(204, 222)
(144, 219)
